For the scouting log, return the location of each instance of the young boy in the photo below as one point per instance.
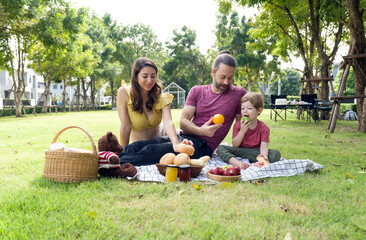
(250, 136)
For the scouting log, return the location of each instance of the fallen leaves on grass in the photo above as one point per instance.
(336, 165)
(141, 195)
(327, 136)
(285, 209)
(92, 214)
(197, 187)
(363, 167)
(226, 185)
(349, 176)
(257, 182)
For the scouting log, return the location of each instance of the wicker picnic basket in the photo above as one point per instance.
(71, 166)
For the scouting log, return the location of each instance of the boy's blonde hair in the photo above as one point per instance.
(255, 98)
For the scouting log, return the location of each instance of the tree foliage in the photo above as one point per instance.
(186, 66)
(253, 63)
(310, 29)
(290, 83)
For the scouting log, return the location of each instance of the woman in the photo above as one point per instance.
(141, 108)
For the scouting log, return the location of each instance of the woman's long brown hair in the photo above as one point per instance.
(154, 93)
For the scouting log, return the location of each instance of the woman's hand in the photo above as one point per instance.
(188, 142)
(185, 141)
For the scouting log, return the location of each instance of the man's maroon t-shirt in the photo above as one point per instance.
(208, 104)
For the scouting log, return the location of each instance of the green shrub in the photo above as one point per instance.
(106, 107)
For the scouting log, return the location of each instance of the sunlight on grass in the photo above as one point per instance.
(318, 205)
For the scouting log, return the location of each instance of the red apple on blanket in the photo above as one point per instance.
(236, 169)
(230, 172)
(216, 171)
(225, 171)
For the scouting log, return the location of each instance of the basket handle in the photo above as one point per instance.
(90, 137)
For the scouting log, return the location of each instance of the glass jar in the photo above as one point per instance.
(184, 173)
(171, 173)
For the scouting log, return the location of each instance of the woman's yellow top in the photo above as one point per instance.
(138, 120)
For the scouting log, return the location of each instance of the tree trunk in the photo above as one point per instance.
(357, 31)
(85, 93)
(112, 92)
(64, 95)
(92, 93)
(17, 97)
(46, 95)
(316, 31)
(78, 97)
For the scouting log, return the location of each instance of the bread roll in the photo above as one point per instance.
(204, 159)
(263, 160)
(197, 162)
(184, 148)
(167, 159)
(182, 158)
(201, 161)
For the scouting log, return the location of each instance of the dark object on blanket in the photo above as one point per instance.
(112, 168)
(195, 170)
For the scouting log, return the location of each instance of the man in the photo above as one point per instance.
(203, 102)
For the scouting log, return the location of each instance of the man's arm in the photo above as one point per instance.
(189, 127)
(186, 123)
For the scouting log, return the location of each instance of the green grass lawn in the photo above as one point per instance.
(327, 204)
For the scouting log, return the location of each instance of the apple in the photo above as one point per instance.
(216, 171)
(231, 172)
(226, 172)
(244, 118)
(236, 169)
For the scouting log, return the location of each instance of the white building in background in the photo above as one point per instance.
(34, 85)
(34, 88)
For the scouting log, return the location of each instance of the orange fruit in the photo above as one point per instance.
(218, 118)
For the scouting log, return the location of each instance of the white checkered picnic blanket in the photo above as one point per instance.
(282, 168)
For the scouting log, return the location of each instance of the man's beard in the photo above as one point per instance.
(219, 85)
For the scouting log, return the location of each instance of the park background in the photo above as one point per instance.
(76, 47)
(86, 54)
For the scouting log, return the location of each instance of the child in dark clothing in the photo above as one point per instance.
(250, 136)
